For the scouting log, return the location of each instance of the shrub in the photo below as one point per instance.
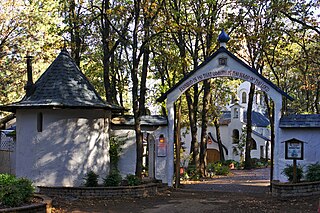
(192, 173)
(288, 172)
(313, 172)
(113, 179)
(259, 163)
(115, 150)
(14, 191)
(91, 179)
(218, 168)
(221, 169)
(229, 162)
(133, 180)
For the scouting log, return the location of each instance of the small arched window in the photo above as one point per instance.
(236, 113)
(161, 139)
(244, 97)
(235, 136)
(253, 144)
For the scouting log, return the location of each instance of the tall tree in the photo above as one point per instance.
(258, 19)
(27, 27)
(112, 20)
(203, 142)
(139, 46)
(177, 12)
(75, 24)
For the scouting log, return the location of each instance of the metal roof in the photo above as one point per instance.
(62, 85)
(261, 136)
(257, 118)
(225, 118)
(305, 121)
(146, 120)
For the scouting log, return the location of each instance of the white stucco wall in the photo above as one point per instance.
(226, 138)
(186, 138)
(72, 143)
(311, 148)
(127, 161)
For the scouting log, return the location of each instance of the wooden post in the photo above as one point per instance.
(294, 171)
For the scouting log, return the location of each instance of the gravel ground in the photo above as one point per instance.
(244, 191)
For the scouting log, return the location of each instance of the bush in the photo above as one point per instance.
(218, 168)
(313, 172)
(259, 163)
(14, 191)
(113, 179)
(133, 180)
(192, 173)
(91, 179)
(229, 162)
(288, 172)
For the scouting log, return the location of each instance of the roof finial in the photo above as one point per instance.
(65, 43)
(223, 38)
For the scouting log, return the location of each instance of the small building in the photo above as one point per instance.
(305, 128)
(155, 131)
(62, 126)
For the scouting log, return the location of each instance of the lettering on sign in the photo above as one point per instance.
(294, 149)
(225, 73)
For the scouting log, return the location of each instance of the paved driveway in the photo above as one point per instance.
(244, 191)
(249, 181)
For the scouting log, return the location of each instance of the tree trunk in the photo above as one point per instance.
(105, 36)
(145, 63)
(317, 101)
(247, 164)
(204, 127)
(193, 126)
(135, 96)
(270, 108)
(220, 145)
(74, 30)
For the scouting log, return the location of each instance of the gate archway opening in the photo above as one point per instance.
(222, 63)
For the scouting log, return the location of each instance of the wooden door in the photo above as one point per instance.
(213, 155)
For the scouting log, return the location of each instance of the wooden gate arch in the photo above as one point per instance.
(222, 63)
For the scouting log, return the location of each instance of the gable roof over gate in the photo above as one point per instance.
(222, 50)
(62, 85)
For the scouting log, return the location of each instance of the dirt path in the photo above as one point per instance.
(245, 191)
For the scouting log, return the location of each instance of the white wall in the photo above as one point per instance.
(311, 148)
(72, 143)
(226, 138)
(224, 133)
(127, 161)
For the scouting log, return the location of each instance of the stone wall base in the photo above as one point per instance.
(295, 190)
(44, 207)
(145, 190)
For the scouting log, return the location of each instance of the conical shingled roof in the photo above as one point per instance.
(62, 85)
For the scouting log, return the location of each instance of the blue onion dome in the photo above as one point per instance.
(223, 37)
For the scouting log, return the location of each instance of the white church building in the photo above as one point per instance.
(232, 123)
